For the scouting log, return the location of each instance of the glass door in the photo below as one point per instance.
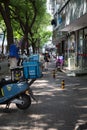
(80, 50)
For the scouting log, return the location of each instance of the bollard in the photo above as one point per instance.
(63, 84)
(54, 74)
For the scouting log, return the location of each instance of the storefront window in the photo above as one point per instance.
(72, 46)
(82, 49)
(85, 33)
(85, 49)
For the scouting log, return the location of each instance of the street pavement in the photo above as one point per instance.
(56, 109)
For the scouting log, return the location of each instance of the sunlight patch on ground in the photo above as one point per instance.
(46, 93)
(83, 116)
(35, 116)
(85, 88)
(52, 129)
(41, 125)
(38, 102)
(40, 81)
(12, 128)
(80, 106)
(41, 84)
(82, 99)
(73, 84)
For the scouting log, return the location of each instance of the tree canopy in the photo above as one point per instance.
(26, 20)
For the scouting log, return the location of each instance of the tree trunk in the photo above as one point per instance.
(25, 43)
(10, 39)
(8, 25)
(33, 47)
(27, 46)
(5, 12)
(3, 42)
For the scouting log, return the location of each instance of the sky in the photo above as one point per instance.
(48, 6)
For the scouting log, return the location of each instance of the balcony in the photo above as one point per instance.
(73, 14)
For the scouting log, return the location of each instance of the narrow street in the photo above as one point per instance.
(56, 109)
(36, 36)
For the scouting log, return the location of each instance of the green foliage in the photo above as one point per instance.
(29, 17)
(2, 25)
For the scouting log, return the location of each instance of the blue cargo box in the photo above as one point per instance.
(34, 57)
(32, 69)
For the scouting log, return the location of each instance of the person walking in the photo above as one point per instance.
(46, 59)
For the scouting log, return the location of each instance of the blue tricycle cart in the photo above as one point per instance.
(18, 90)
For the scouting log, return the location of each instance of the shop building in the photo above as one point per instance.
(70, 32)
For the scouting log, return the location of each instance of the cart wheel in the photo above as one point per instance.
(27, 102)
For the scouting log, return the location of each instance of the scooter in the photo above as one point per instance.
(58, 64)
(19, 93)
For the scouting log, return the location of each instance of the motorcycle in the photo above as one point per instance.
(19, 93)
(59, 62)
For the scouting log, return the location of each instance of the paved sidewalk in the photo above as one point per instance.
(74, 72)
(57, 108)
(65, 109)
